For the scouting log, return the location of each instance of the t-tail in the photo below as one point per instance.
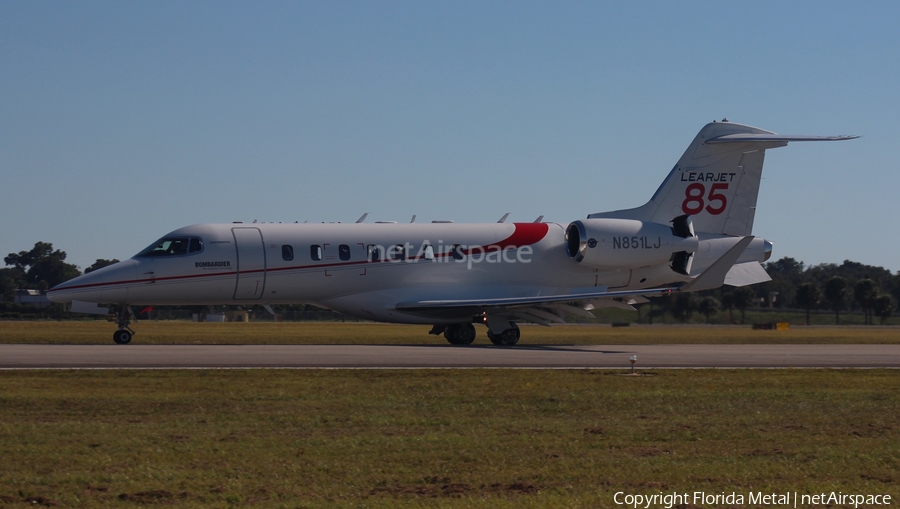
(716, 181)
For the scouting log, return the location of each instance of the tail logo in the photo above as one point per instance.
(694, 203)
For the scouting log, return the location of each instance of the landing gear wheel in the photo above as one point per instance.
(124, 314)
(122, 337)
(509, 337)
(460, 333)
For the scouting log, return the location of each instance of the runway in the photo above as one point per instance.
(17, 356)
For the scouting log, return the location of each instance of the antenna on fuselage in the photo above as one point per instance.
(362, 218)
(503, 219)
(413, 219)
(539, 219)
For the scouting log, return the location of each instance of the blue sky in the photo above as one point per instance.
(121, 121)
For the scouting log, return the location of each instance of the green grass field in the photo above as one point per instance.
(183, 332)
(439, 438)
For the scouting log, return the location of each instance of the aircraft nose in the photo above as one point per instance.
(109, 284)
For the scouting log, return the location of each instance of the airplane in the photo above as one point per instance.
(693, 234)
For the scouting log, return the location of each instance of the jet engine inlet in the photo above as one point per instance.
(576, 243)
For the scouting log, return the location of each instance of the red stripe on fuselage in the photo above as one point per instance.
(526, 234)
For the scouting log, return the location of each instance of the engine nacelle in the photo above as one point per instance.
(624, 243)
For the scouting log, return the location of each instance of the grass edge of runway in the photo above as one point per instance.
(454, 438)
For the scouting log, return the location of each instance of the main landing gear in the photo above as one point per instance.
(508, 337)
(460, 333)
(124, 315)
(464, 334)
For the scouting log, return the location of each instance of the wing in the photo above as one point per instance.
(575, 296)
(540, 309)
(544, 309)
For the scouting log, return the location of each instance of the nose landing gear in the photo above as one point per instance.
(123, 336)
(124, 315)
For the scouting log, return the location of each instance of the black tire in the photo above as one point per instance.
(450, 334)
(468, 333)
(460, 334)
(509, 337)
(122, 337)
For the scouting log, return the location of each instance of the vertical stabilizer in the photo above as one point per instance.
(716, 181)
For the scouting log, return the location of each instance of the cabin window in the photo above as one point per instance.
(315, 252)
(287, 253)
(373, 253)
(397, 252)
(344, 252)
(457, 251)
(172, 246)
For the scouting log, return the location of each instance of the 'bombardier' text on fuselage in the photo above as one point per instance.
(212, 264)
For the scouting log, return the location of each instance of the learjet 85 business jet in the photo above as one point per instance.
(694, 234)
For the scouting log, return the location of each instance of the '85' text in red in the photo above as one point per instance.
(694, 201)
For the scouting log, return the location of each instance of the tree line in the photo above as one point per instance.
(40, 268)
(848, 287)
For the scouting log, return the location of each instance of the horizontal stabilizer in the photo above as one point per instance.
(749, 273)
(714, 276)
(764, 137)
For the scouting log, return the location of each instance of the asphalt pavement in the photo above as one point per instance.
(136, 356)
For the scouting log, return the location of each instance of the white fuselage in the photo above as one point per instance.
(363, 270)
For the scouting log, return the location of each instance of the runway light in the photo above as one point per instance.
(632, 360)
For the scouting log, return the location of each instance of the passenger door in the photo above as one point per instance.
(251, 263)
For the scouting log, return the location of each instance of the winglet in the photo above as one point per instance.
(714, 275)
(363, 217)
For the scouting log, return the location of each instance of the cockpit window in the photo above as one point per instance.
(173, 246)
